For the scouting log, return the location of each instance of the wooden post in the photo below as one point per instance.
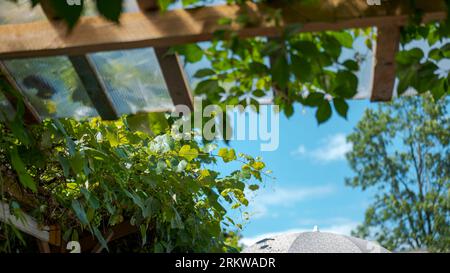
(387, 45)
(44, 247)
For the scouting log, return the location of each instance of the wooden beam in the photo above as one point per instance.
(155, 29)
(27, 224)
(94, 86)
(148, 5)
(30, 226)
(31, 116)
(387, 45)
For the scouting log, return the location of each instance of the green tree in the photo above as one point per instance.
(402, 150)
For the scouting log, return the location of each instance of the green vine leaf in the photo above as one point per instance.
(24, 177)
(323, 112)
(227, 154)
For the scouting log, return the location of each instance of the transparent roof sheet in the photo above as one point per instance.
(133, 80)
(52, 86)
(21, 11)
(6, 110)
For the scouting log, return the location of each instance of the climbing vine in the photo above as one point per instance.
(93, 175)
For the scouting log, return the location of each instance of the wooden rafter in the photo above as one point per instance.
(31, 115)
(388, 39)
(94, 87)
(175, 77)
(155, 29)
(171, 67)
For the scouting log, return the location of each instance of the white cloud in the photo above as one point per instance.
(333, 148)
(285, 197)
(288, 196)
(301, 150)
(343, 228)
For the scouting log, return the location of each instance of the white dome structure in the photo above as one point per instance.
(314, 242)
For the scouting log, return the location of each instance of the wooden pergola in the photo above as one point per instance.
(151, 28)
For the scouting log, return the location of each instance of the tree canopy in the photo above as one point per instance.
(402, 151)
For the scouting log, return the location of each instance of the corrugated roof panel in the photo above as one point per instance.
(21, 12)
(52, 87)
(6, 110)
(133, 80)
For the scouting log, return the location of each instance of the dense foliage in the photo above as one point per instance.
(93, 175)
(403, 151)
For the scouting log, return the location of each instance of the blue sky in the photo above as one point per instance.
(310, 167)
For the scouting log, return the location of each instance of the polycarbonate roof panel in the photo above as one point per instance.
(52, 87)
(133, 80)
(6, 110)
(128, 6)
(20, 12)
